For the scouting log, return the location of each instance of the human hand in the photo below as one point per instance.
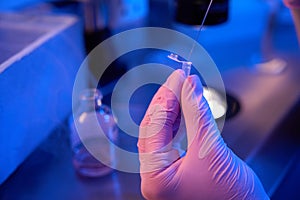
(294, 6)
(209, 170)
(292, 3)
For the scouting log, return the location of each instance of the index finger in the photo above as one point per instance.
(156, 128)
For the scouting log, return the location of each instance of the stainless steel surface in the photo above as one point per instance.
(48, 174)
(266, 101)
(252, 134)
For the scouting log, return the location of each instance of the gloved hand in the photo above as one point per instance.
(292, 3)
(294, 6)
(209, 170)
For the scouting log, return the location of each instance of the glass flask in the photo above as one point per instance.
(93, 134)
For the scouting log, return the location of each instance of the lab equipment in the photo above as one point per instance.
(209, 169)
(86, 163)
(190, 11)
(216, 102)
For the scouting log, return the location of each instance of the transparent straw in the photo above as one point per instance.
(185, 65)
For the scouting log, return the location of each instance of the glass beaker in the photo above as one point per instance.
(92, 138)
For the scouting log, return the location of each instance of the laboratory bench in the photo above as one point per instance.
(48, 173)
(264, 131)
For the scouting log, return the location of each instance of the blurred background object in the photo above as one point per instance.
(40, 56)
(191, 12)
(92, 138)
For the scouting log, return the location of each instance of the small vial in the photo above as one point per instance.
(84, 162)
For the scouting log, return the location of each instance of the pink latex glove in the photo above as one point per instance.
(294, 6)
(209, 170)
(292, 3)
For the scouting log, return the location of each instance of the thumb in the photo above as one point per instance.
(224, 169)
(202, 131)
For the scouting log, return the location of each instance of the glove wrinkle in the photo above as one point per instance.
(157, 161)
(207, 143)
